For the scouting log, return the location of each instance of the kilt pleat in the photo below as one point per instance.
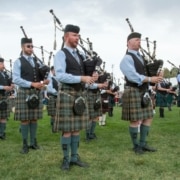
(22, 112)
(161, 99)
(91, 98)
(4, 114)
(51, 106)
(65, 119)
(131, 106)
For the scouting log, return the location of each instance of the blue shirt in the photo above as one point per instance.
(178, 78)
(128, 69)
(49, 87)
(60, 69)
(16, 74)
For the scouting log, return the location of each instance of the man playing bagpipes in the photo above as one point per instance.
(137, 105)
(71, 108)
(5, 88)
(28, 105)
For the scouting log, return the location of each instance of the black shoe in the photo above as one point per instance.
(149, 149)
(24, 150)
(92, 136)
(3, 136)
(65, 164)
(79, 163)
(138, 150)
(34, 147)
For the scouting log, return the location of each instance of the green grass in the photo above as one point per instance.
(110, 156)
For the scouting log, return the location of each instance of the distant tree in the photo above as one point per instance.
(173, 72)
(166, 73)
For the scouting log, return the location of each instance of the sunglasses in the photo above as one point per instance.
(29, 46)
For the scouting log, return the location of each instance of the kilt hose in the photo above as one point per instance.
(131, 106)
(22, 112)
(161, 99)
(65, 119)
(91, 98)
(4, 114)
(51, 105)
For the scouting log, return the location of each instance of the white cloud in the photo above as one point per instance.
(13, 16)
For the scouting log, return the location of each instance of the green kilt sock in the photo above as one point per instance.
(93, 126)
(33, 130)
(88, 131)
(24, 131)
(3, 128)
(74, 147)
(143, 134)
(65, 143)
(133, 131)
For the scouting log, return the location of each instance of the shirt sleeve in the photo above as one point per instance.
(50, 88)
(1, 87)
(17, 79)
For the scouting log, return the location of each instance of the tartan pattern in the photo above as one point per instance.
(65, 119)
(22, 112)
(105, 104)
(4, 114)
(91, 98)
(51, 106)
(131, 106)
(161, 99)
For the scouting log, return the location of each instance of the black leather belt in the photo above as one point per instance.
(49, 94)
(76, 87)
(93, 90)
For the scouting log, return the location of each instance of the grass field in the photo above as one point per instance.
(110, 156)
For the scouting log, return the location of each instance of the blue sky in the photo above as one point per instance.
(103, 22)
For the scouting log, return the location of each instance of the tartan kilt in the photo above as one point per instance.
(161, 99)
(22, 112)
(111, 101)
(51, 106)
(91, 98)
(131, 106)
(65, 119)
(105, 104)
(4, 114)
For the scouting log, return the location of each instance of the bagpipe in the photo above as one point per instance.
(92, 61)
(153, 66)
(43, 69)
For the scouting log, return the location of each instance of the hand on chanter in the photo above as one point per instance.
(37, 85)
(87, 79)
(156, 79)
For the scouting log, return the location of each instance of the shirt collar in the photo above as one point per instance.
(71, 50)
